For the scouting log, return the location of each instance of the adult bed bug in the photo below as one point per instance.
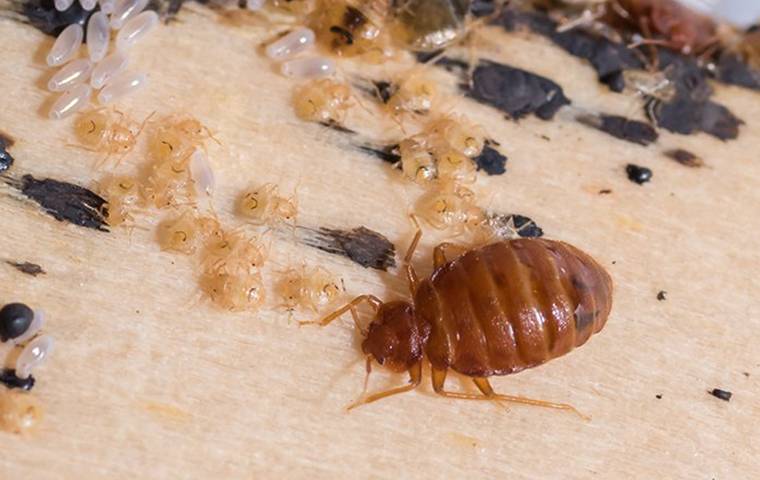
(494, 310)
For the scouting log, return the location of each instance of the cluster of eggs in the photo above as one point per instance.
(104, 66)
(21, 326)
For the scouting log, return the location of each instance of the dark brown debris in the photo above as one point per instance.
(685, 157)
(637, 174)
(361, 245)
(662, 295)
(721, 394)
(27, 268)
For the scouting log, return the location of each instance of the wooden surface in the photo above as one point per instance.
(150, 381)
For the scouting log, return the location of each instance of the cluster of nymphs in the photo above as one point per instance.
(20, 328)
(103, 67)
(178, 178)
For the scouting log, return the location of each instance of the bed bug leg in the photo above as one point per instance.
(411, 275)
(439, 377)
(373, 301)
(415, 377)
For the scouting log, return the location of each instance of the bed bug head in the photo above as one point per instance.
(394, 338)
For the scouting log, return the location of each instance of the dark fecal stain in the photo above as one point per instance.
(722, 394)
(730, 69)
(384, 90)
(388, 153)
(605, 191)
(662, 295)
(623, 128)
(27, 267)
(6, 159)
(65, 201)
(337, 127)
(491, 160)
(687, 117)
(685, 157)
(637, 174)
(514, 91)
(746, 374)
(362, 245)
(608, 58)
(9, 379)
(507, 225)
(43, 16)
(658, 396)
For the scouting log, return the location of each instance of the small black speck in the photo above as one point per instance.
(746, 374)
(658, 396)
(491, 160)
(384, 90)
(27, 267)
(614, 262)
(546, 137)
(722, 394)
(661, 295)
(637, 174)
(684, 157)
(605, 191)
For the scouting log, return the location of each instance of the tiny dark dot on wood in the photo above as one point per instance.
(746, 374)
(661, 295)
(684, 157)
(724, 395)
(637, 174)
(614, 262)
(605, 191)
(27, 267)
(658, 396)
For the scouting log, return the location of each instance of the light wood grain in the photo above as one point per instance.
(150, 381)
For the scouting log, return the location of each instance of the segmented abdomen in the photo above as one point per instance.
(512, 305)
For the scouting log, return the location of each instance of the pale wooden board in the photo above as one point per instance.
(149, 381)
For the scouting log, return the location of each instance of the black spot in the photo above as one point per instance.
(6, 159)
(684, 157)
(661, 295)
(637, 174)
(722, 394)
(515, 91)
(482, 8)
(746, 374)
(27, 267)
(64, 201)
(384, 90)
(348, 37)
(353, 18)
(337, 127)
(658, 396)
(388, 153)
(623, 128)
(9, 379)
(362, 245)
(605, 191)
(491, 160)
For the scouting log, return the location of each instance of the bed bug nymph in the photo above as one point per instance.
(495, 310)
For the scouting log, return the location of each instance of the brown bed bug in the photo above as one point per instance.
(494, 310)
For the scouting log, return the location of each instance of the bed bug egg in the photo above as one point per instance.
(107, 7)
(70, 74)
(70, 102)
(20, 412)
(15, 320)
(135, 29)
(255, 5)
(108, 68)
(62, 5)
(417, 162)
(290, 44)
(66, 45)
(322, 100)
(122, 85)
(312, 67)
(202, 174)
(124, 10)
(98, 36)
(33, 354)
(88, 4)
